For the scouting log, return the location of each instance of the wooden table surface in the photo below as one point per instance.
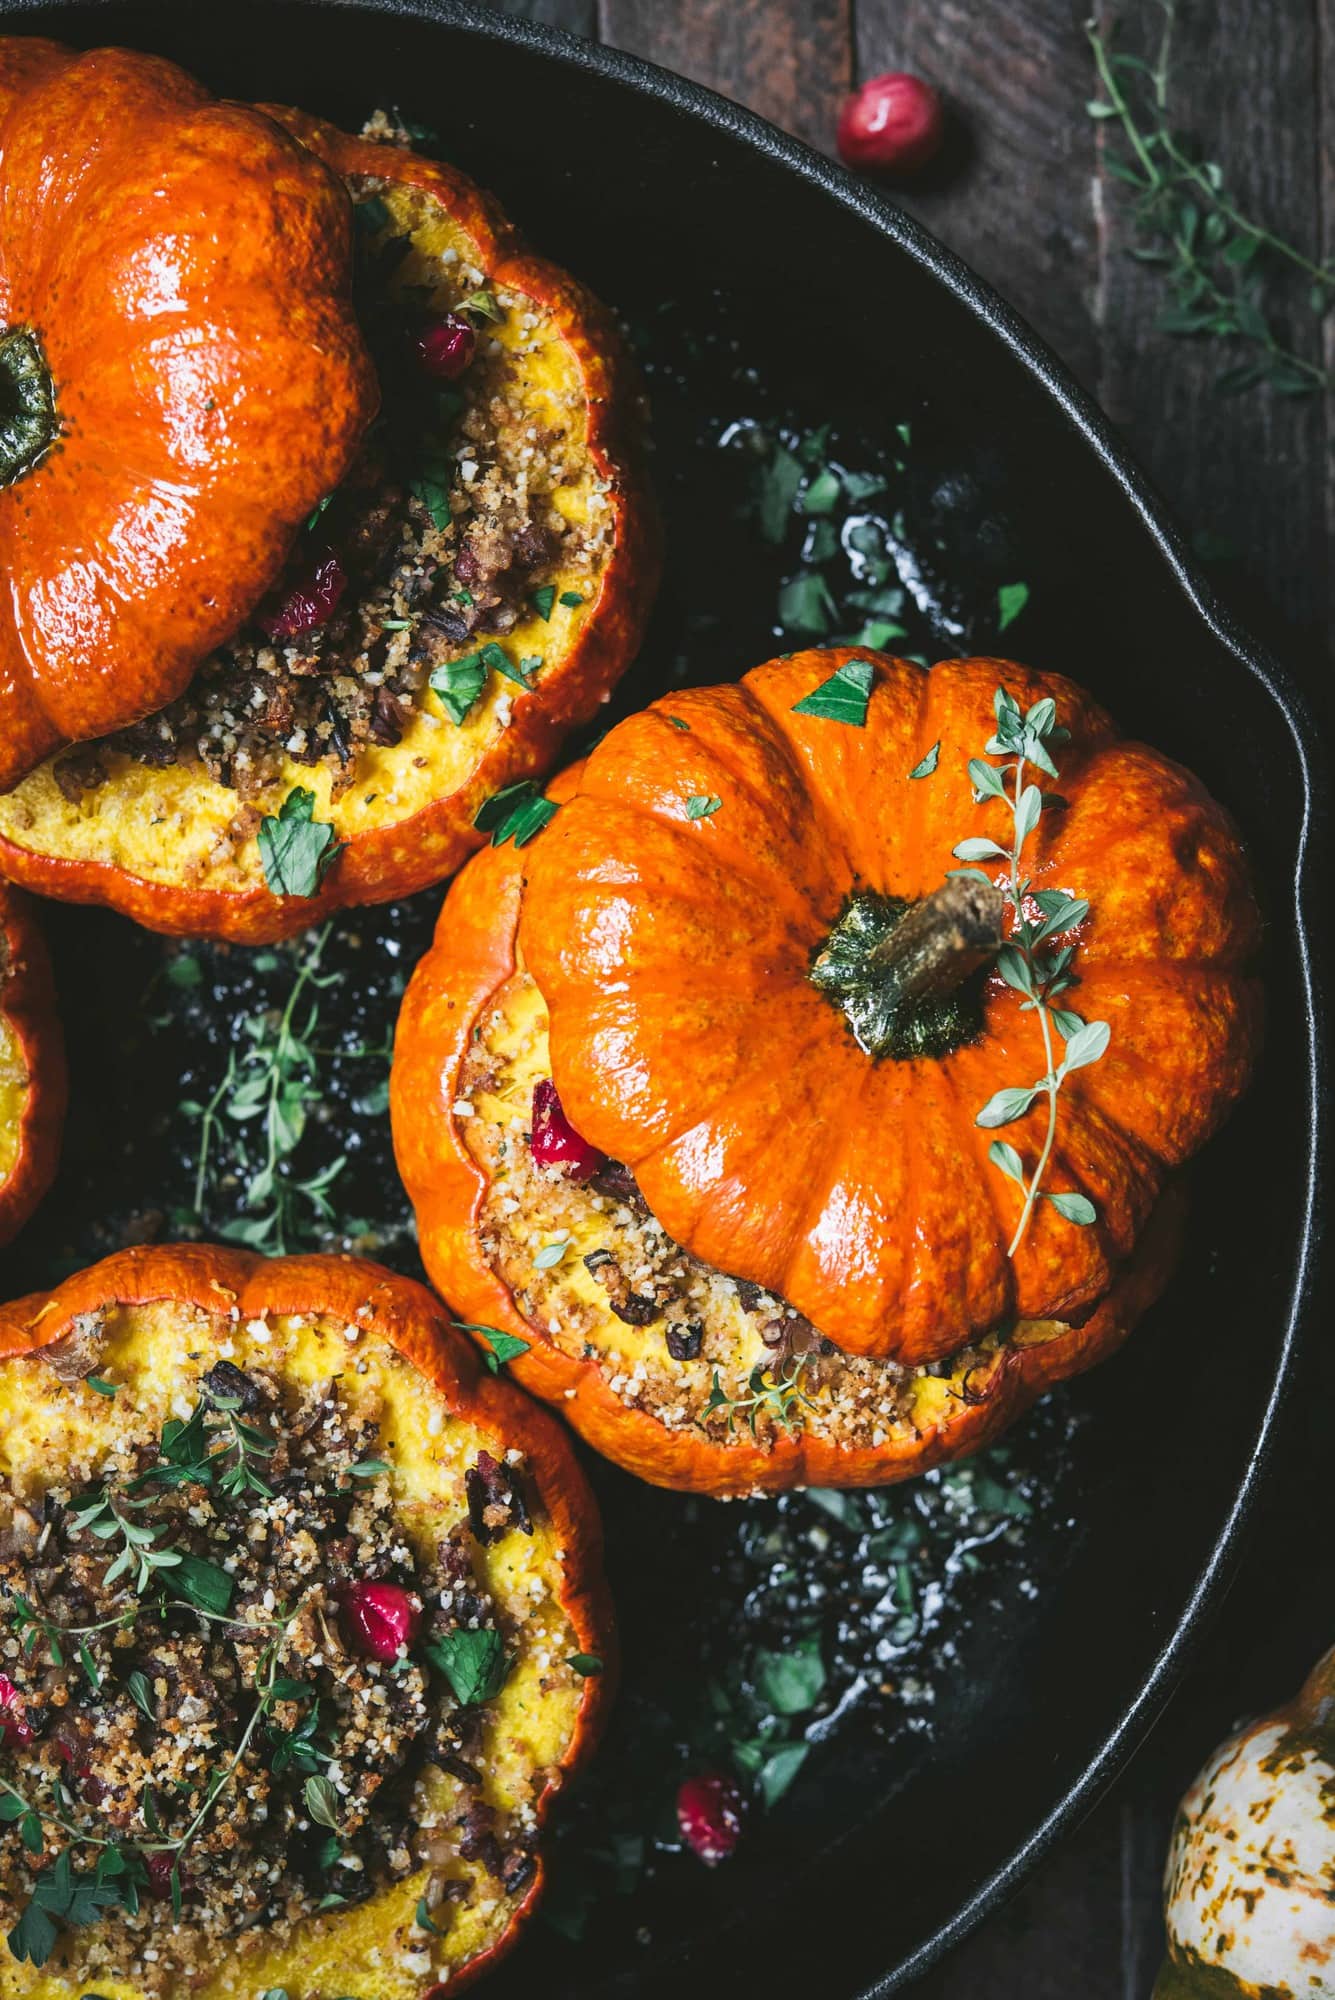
(1029, 201)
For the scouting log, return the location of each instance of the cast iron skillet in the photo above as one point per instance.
(655, 191)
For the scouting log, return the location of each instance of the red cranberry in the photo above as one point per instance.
(709, 1813)
(159, 1870)
(445, 346)
(310, 601)
(14, 1726)
(893, 125)
(556, 1143)
(381, 1618)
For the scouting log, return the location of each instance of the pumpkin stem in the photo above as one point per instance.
(938, 942)
(903, 972)
(28, 423)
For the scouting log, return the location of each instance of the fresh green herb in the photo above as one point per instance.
(369, 1468)
(777, 1772)
(396, 624)
(103, 1387)
(843, 697)
(806, 606)
(297, 849)
(551, 1254)
(821, 493)
(321, 1802)
(422, 1918)
(925, 768)
(142, 1695)
(781, 1397)
(184, 972)
(517, 813)
(571, 599)
(586, 1665)
(702, 805)
(500, 1348)
(203, 1584)
(483, 304)
(677, 723)
(473, 1662)
(1011, 600)
(780, 478)
(791, 1682)
(542, 600)
(1038, 976)
(431, 485)
(459, 683)
(1214, 260)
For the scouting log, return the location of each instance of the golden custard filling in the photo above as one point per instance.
(284, 1670)
(469, 544)
(14, 1087)
(597, 1276)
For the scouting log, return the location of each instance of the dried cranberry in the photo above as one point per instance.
(159, 1870)
(14, 1726)
(310, 601)
(381, 1618)
(709, 1813)
(445, 346)
(555, 1141)
(893, 125)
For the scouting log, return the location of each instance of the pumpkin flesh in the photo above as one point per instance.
(32, 1066)
(164, 1318)
(544, 401)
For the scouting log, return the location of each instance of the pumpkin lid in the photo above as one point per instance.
(762, 965)
(182, 379)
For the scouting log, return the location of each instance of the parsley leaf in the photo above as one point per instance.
(702, 805)
(1011, 600)
(201, 1583)
(571, 599)
(586, 1665)
(473, 1663)
(928, 764)
(297, 849)
(843, 697)
(542, 600)
(500, 1348)
(517, 813)
(458, 684)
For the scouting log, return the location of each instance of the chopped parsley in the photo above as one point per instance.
(843, 697)
(518, 813)
(297, 849)
(473, 1662)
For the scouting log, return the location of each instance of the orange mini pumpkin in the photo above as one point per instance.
(795, 1268)
(181, 379)
(474, 589)
(151, 1378)
(32, 1065)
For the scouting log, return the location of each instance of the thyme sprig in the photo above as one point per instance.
(275, 1084)
(1039, 976)
(780, 1397)
(1213, 256)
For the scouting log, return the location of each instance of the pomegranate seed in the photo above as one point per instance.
(709, 1813)
(894, 124)
(310, 601)
(381, 1618)
(555, 1141)
(14, 1726)
(445, 346)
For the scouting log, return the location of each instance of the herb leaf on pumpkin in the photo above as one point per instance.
(843, 697)
(297, 849)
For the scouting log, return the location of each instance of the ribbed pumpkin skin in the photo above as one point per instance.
(454, 987)
(403, 1313)
(187, 269)
(28, 1005)
(688, 1041)
(398, 857)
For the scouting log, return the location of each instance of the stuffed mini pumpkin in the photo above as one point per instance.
(470, 590)
(181, 380)
(305, 1624)
(32, 1065)
(700, 1095)
(1247, 1892)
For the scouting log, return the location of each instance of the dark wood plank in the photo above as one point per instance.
(579, 16)
(1012, 193)
(1246, 471)
(791, 60)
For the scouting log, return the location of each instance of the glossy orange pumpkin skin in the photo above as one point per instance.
(688, 1041)
(187, 270)
(28, 1006)
(455, 985)
(402, 1312)
(397, 859)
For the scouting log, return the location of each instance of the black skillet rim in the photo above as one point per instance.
(1311, 928)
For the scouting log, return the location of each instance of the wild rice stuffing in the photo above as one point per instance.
(225, 1670)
